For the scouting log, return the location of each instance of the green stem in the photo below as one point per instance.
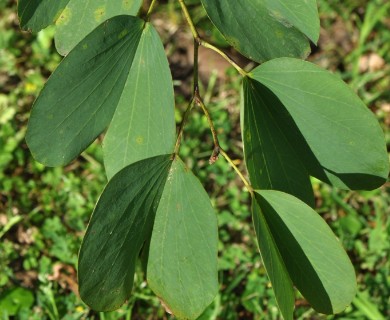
(217, 148)
(147, 18)
(200, 102)
(206, 44)
(182, 124)
(189, 20)
(230, 161)
(195, 90)
(224, 55)
(197, 98)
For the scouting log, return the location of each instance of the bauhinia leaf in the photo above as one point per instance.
(271, 160)
(38, 14)
(182, 265)
(182, 253)
(314, 258)
(273, 263)
(277, 28)
(74, 19)
(143, 125)
(80, 98)
(80, 17)
(121, 222)
(336, 137)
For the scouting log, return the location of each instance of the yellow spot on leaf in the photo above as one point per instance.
(64, 17)
(100, 13)
(139, 140)
(85, 46)
(279, 34)
(127, 4)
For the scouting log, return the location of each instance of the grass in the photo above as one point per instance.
(44, 211)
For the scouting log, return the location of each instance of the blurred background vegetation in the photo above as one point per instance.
(44, 211)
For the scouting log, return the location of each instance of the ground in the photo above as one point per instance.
(44, 211)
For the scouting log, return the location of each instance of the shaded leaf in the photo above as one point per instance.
(120, 224)
(80, 17)
(273, 263)
(182, 265)
(263, 30)
(336, 137)
(38, 14)
(314, 258)
(271, 160)
(144, 123)
(79, 99)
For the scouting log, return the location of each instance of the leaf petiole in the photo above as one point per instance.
(232, 164)
(152, 5)
(182, 124)
(200, 42)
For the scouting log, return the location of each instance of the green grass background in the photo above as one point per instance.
(44, 211)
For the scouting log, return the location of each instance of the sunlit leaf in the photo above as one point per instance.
(182, 265)
(144, 123)
(80, 17)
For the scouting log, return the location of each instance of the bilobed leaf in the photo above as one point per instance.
(144, 123)
(38, 14)
(80, 17)
(336, 137)
(79, 99)
(182, 265)
(121, 222)
(264, 29)
(74, 19)
(271, 160)
(273, 263)
(315, 260)
(182, 261)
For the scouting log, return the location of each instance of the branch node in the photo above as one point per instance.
(215, 155)
(198, 40)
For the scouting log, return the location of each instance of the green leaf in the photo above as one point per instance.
(263, 30)
(121, 222)
(365, 303)
(38, 14)
(314, 258)
(271, 160)
(273, 263)
(182, 265)
(336, 137)
(79, 99)
(80, 17)
(12, 301)
(182, 255)
(144, 123)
